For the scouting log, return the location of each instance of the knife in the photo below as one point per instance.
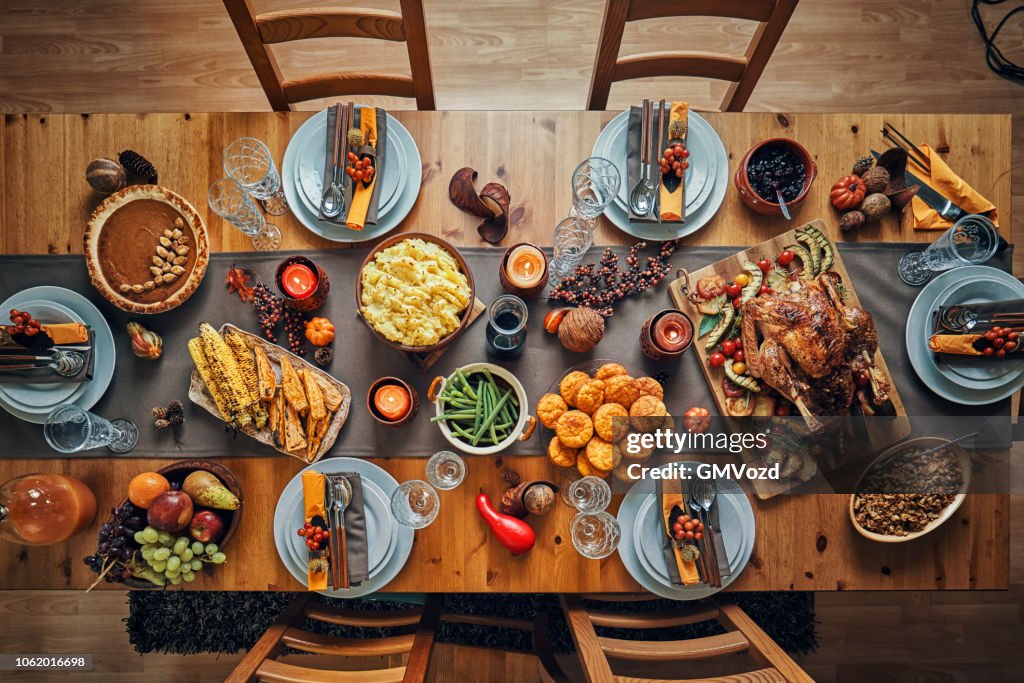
(946, 208)
(724, 569)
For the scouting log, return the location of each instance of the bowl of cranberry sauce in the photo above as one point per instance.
(774, 161)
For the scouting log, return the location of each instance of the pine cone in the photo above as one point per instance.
(510, 477)
(174, 406)
(160, 412)
(139, 165)
(176, 419)
(162, 423)
(323, 356)
(661, 377)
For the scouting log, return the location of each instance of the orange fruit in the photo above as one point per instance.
(145, 487)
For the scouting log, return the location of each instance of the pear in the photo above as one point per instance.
(206, 490)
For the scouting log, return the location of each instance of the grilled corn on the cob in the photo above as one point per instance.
(246, 364)
(195, 349)
(226, 375)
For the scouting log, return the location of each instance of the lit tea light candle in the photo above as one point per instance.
(673, 332)
(298, 281)
(392, 401)
(525, 266)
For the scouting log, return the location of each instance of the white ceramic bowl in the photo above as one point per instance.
(522, 430)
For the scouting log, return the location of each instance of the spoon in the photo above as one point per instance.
(702, 498)
(64, 363)
(333, 201)
(642, 197)
(782, 202)
(341, 497)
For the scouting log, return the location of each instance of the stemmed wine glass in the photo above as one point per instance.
(231, 202)
(595, 534)
(573, 237)
(445, 470)
(70, 429)
(249, 163)
(595, 182)
(415, 504)
(971, 241)
(590, 494)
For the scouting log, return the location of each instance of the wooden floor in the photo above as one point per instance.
(868, 55)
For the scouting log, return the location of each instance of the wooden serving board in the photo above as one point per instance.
(880, 435)
(200, 395)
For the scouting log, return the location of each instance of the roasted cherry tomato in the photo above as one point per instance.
(1001, 353)
(716, 359)
(731, 389)
(764, 289)
(733, 289)
(782, 409)
(785, 258)
(710, 286)
(728, 347)
(998, 342)
(988, 351)
(739, 343)
(765, 265)
(742, 279)
(736, 302)
(739, 356)
(739, 368)
(1010, 346)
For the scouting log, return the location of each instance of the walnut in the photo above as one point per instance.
(581, 330)
(851, 220)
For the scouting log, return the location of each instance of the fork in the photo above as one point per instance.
(701, 500)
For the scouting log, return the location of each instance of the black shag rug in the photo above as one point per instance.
(190, 622)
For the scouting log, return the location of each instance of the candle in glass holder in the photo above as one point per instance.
(523, 270)
(673, 332)
(298, 281)
(303, 284)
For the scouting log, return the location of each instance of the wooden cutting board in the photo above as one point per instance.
(880, 435)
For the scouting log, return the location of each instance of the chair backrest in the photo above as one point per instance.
(743, 72)
(741, 635)
(258, 31)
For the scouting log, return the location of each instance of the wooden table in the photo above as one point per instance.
(804, 542)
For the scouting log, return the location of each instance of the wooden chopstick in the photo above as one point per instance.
(661, 144)
(914, 154)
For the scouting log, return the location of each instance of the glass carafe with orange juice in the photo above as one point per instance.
(43, 509)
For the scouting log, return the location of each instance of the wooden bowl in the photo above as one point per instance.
(756, 202)
(152, 209)
(463, 266)
(924, 443)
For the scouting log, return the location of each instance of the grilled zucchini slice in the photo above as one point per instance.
(745, 381)
(808, 272)
(827, 248)
(728, 313)
(756, 278)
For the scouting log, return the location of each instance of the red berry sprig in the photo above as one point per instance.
(361, 170)
(674, 160)
(24, 323)
(316, 536)
(1000, 341)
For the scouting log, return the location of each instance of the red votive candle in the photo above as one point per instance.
(298, 281)
(673, 332)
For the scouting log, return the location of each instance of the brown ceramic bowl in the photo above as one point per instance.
(463, 266)
(756, 202)
(414, 401)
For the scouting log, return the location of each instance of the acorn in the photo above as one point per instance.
(861, 166)
(106, 176)
(354, 137)
(876, 179)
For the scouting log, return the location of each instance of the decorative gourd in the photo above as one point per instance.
(320, 331)
(515, 534)
(847, 193)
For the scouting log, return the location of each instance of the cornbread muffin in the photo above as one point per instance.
(647, 414)
(609, 370)
(611, 422)
(590, 396)
(549, 408)
(621, 389)
(560, 454)
(570, 384)
(621, 472)
(669, 423)
(648, 386)
(574, 428)
(641, 452)
(601, 454)
(584, 467)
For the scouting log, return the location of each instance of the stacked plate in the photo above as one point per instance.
(643, 537)
(706, 179)
(302, 178)
(55, 305)
(388, 542)
(971, 382)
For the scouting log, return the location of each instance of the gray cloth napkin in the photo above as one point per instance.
(45, 375)
(328, 174)
(382, 132)
(355, 531)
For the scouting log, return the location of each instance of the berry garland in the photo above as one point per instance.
(272, 312)
(601, 288)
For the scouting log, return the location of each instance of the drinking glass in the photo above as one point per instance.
(971, 241)
(572, 239)
(249, 163)
(231, 202)
(506, 327)
(445, 470)
(590, 494)
(415, 504)
(595, 182)
(70, 429)
(595, 534)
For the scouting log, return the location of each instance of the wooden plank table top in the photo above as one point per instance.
(804, 542)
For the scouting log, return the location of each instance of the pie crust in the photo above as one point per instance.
(199, 245)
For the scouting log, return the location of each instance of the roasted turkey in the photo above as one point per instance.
(809, 344)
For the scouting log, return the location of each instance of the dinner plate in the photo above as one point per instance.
(629, 547)
(105, 356)
(705, 204)
(42, 396)
(918, 330)
(403, 201)
(401, 537)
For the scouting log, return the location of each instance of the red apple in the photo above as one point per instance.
(207, 527)
(170, 511)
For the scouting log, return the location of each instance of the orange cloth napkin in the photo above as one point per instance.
(673, 203)
(959, 344)
(364, 193)
(952, 187)
(313, 504)
(67, 333)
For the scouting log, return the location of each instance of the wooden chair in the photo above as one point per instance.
(260, 663)
(258, 31)
(742, 635)
(743, 72)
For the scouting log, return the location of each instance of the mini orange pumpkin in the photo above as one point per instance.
(847, 193)
(320, 331)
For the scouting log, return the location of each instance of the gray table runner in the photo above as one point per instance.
(138, 384)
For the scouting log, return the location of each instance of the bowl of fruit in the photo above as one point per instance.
(174, 524)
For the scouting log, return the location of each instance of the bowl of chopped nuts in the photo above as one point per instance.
(910, 490)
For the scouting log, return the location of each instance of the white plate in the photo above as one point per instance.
(311, 144)
(643, 491)
(105, 354)
(339, 233)
(402, 537)
(704, 205)
(918, 330)
(42, 396)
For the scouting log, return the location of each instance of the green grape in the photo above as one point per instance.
(188, 578)
(211, 548)
(171, 573)
(164, 537)
(187, 555)
(176, 580)
(139, 537)
(173, 562)
(219, 558)
(180, 545)
(162, 554)
(186, 567)
(159, 566)
(147, 552)
(196, 565)
(150, 535)
(198, 547)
